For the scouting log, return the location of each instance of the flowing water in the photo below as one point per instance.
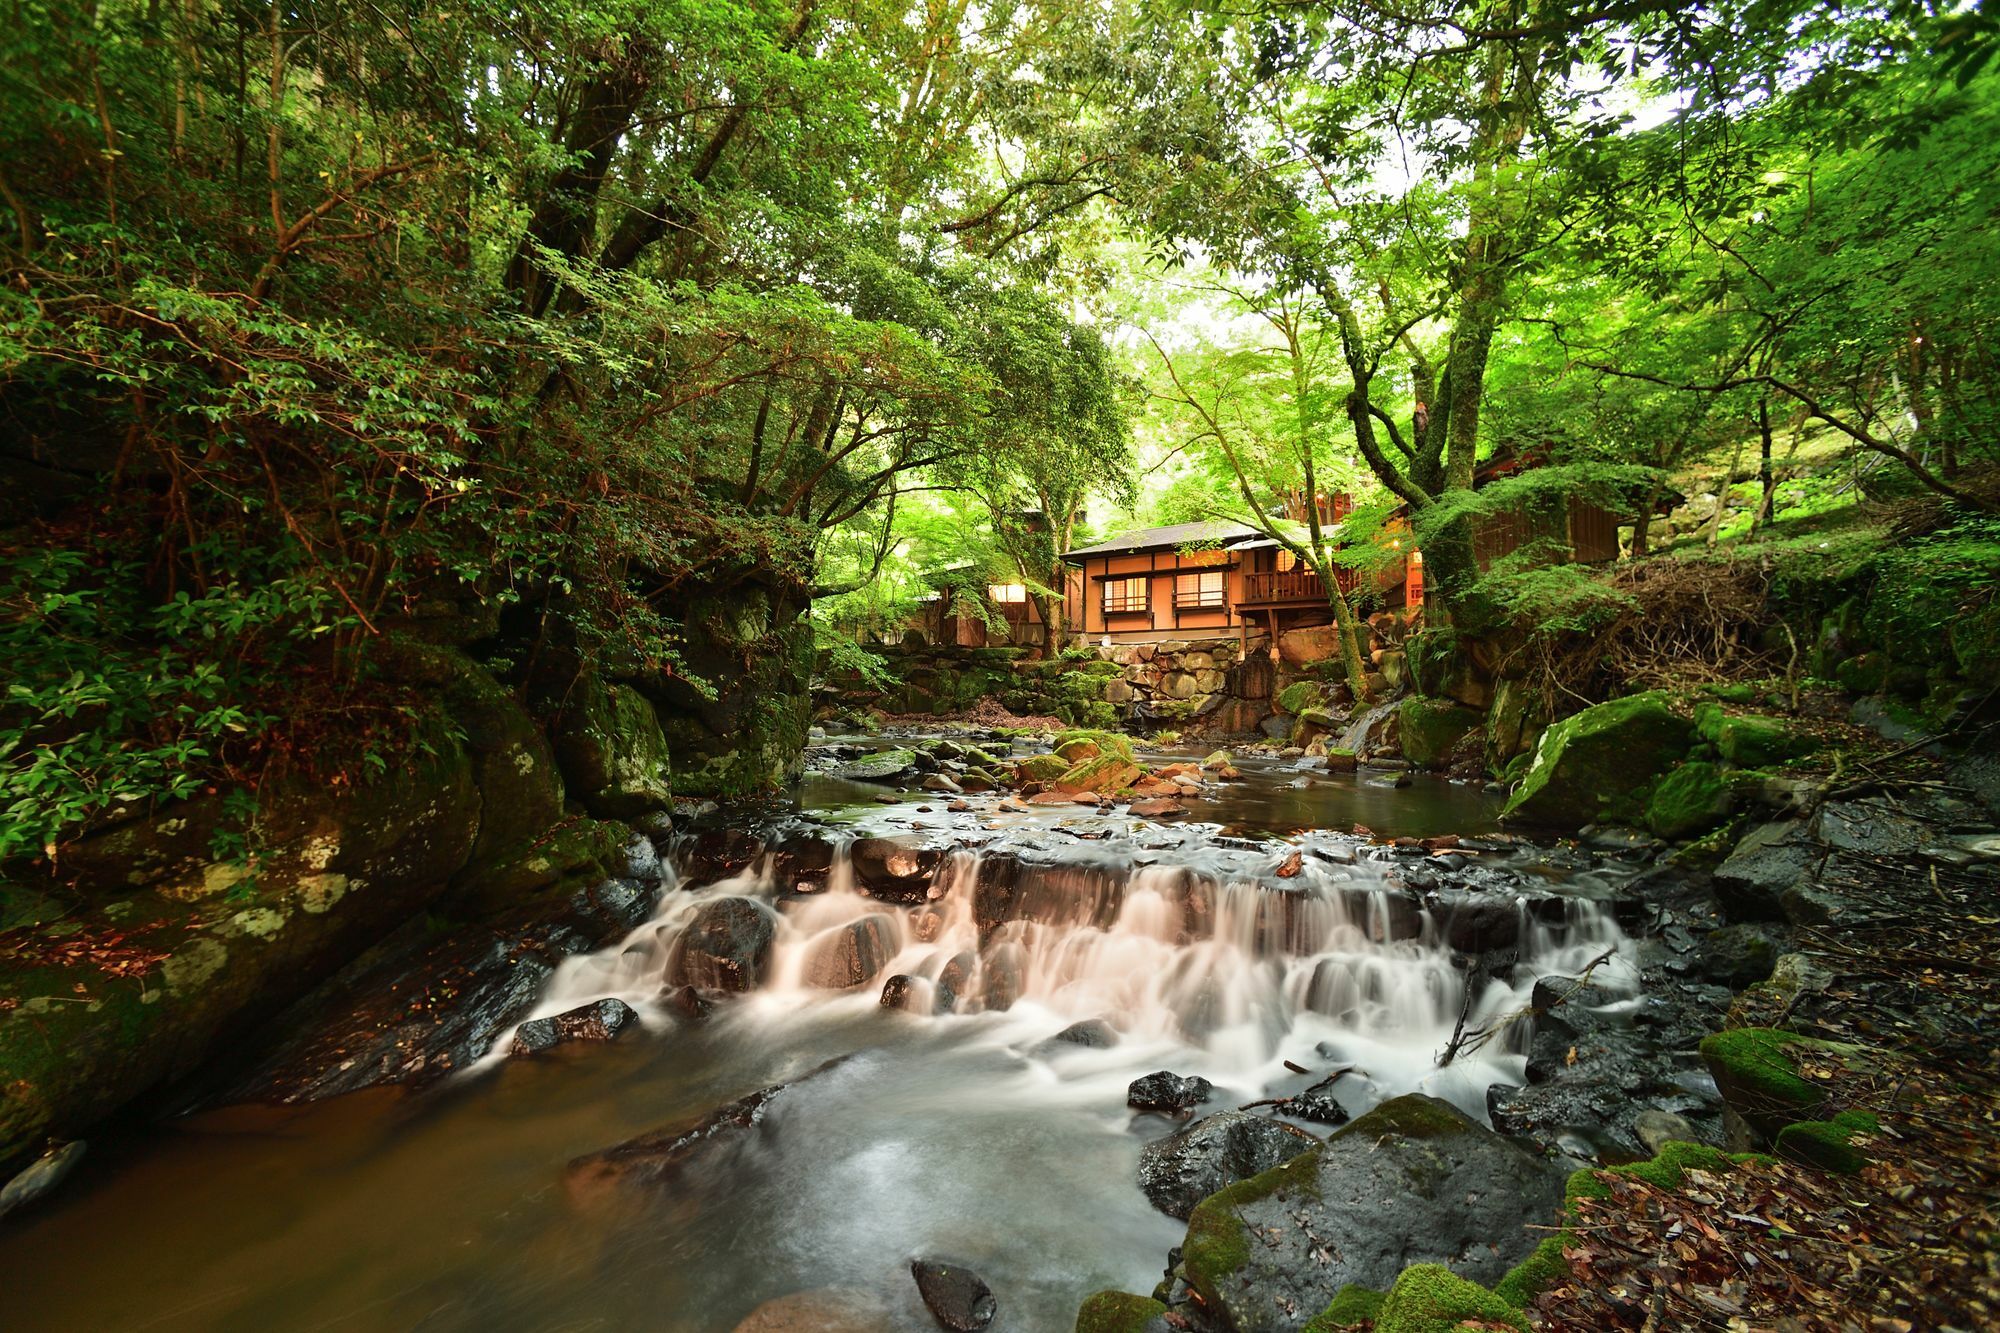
(968, 1134)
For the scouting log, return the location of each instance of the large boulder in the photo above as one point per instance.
(1597, 764)
(1414, 1181)
(1180, 1170)
(612, 751)
(1432, 728)
(726, 947)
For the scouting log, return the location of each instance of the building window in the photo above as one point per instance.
(1014, 593)
(1203, 589)
(1125, 595)
(1287, 562)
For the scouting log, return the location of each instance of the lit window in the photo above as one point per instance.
(1125, 594)
(1007, 592)
(1286, 561)
(1201, 589)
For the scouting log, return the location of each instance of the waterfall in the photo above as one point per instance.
(1208, 959)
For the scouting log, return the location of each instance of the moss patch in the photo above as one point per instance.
(1090, 742)
(1596, 764)
(1430, 728)
(1297, 697)
(1411, 1116)
(1117, 1312)
(1692, 799)
(1430, 1298)
(1828, 1144)
(1756, 1070)
(1350, 1305)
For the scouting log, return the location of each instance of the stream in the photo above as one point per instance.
(1205, 945)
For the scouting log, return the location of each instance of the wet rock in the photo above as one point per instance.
(939, 782)
(1740, 955)
(957, 1297)
(420, 1007)
(1317, 1104)
(726, 948)
(716, 854)
(1180, 1170)
(1003, 977)
(1093, 1032)
(602, 1021)
(1765, 866)
(900, 992)
(882, 766)
(1159, 807)
(1168, 1094)
(894, 869)
(854, 954)
(40, 1176)
(1656, 1129)
(688, 1002)
(656, 1156)
(639, 859)
(1413, 1181)
(954, 982)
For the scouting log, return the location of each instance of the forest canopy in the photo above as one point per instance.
(320, 317)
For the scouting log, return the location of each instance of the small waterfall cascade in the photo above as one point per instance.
(1209, 960)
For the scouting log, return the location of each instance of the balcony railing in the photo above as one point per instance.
(1291, 585)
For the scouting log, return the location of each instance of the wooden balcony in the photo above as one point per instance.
(1266, 588)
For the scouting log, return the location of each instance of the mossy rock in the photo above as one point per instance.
(1430, 1298)
(1117, 1312)
(1041, 768)
(1756, 1071)
(1597, 764)
(1692, 799)
(612, 751)
(1828, 1144)
(1105, 742)
(1432, 728)
(1350, 1305)
(1759, 742)
(1106, 773)
(1299, 696)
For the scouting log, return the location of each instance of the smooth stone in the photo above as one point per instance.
(957, 1297)
(602, 1021)
(40, 1176)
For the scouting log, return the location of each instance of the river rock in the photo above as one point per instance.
(1180, 1170)
(899, 992)
(660, 1154)
(894, 870)
(954, 982)
(1093, 1032)
(1769, 863)
(40, 1176)
(852, 955)
(827, 1310)
(957, 1297)
(602, 1021)
(1413, 1181)
(1169, 1094)
(1317, 1104)
(1656, 1129)
(656, 1156)
(883, 766)
(727, 947)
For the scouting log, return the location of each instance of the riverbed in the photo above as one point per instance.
(969, 1134)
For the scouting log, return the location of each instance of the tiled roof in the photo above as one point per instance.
(1208, 532)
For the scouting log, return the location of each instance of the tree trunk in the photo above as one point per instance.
(1766, 481)
(1344, 624)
